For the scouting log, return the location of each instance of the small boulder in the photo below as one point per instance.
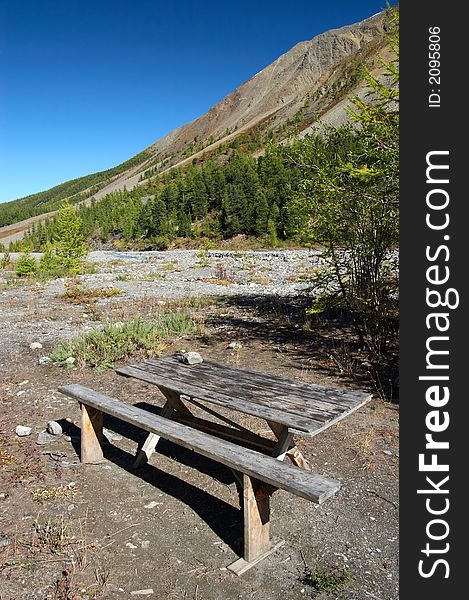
(191, 358)
(35, 346)
(4, 540)
(44, 437)
(54, 428)
(44, 360)
(70, 360)
(234, 346)
(23, 431)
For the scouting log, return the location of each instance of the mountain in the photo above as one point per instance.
(309, 83)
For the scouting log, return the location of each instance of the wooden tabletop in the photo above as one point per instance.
(304, 408)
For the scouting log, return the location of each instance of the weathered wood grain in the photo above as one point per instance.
(302, 424)
(256, 509)
(91, 434)
(292, 387)
(313, 487)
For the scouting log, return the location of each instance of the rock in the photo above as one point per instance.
(43, 360)
(23, 431)
(54, 428)
(4, 540)
(46, 438)
(21, 392)
(146, 592)
(70, 360)
(234, 346)
(191, 358)
(387, 452)
(35, 346)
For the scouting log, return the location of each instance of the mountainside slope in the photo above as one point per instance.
(308, 83)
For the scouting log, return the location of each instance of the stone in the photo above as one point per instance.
(35, 346)
(44, 437)
(387, 452)
(146, 592)
(22, 430)
(234, 346)
(191, 358)
(44, 360)
(4, 540)
(54, 428)
(70, 360)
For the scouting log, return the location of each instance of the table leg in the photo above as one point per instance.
(281, 450)
(173, 404)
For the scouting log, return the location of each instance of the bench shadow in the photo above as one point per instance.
(224, 519)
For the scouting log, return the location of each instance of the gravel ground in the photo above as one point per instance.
(174, 527)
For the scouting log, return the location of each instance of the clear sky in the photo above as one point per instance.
(86, 84)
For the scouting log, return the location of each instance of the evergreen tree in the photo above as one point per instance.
(69, 241)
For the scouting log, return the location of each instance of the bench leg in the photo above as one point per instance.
(91, 435)
(257, 543)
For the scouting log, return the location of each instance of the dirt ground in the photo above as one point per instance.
(169, 530)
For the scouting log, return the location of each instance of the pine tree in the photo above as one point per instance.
(69, 241)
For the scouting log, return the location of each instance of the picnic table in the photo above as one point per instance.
(289, 407)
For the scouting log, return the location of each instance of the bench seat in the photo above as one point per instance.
(311, 486)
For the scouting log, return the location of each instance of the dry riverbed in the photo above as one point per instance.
(70, 531)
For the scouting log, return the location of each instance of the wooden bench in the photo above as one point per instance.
(261, 474)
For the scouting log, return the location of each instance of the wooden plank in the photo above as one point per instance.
(308, 403)
(301, 424)
(256, 509)
(282, 385)
(315, 419)
(290, 400)
(91, 435)
(313, 487)
(241, 565)
(229, 432)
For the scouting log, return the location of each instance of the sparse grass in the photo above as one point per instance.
(52, 535)
(41, 495)
(328, 580)
(101, 349)
(6, 458)
(141, 277)
(82, 294)
(260, 279)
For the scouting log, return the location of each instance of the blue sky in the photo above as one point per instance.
(86, 84)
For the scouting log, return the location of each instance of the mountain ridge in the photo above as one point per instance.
(309, 80)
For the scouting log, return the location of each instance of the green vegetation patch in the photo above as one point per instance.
(103, 348)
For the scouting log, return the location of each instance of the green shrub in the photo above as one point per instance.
(49, 262)
(102, 348)
(6, 259)
(26, 265)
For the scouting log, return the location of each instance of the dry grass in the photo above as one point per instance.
(41, 495)
(77, 293)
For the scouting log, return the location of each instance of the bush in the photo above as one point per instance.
(49, 262)
(26, 265)
(161, 242)
(101, 349)
(6, 259)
